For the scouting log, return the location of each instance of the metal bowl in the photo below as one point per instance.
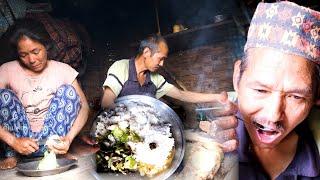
(31, 168)
(167, 115)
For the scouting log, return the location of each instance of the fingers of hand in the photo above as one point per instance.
(209, 127)
(224, 97)
(30, 149)
(25, 151)
(230, 145)
(222, 131)
(58, 148)
(50, 147)
(27, 146)
(226, 135)
(229, 108)
(66, 140)
(221, 123)
(34, 144)
(61, 148)
(226, 122)
(226, 109)
(205, 126)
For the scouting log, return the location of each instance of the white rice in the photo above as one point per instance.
(143, 120)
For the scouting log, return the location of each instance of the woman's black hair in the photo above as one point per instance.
(32, 29)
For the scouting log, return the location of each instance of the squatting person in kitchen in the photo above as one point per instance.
(277, 83)
(138, 76)
(39, 97)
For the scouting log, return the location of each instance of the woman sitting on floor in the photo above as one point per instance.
(39, 97)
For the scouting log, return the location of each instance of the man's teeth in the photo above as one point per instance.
(265, 130)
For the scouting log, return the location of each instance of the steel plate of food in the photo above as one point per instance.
(49, 164)
(141, 136)
(32, 168)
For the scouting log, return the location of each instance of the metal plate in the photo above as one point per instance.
(30, 168)
(167, 115)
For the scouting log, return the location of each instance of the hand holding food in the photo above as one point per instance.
(222, 130)
(57, 144)
(222, 125)
(25, 146)
(49, 161)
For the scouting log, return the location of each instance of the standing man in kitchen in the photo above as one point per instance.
(277, 83)
(138, 76)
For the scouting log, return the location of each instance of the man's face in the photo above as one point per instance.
(153, 62)
(274, 94)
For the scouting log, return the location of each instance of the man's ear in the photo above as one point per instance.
(146, 52)
(236, 75)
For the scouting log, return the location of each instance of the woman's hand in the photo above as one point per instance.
(24, 146)
(61, 147)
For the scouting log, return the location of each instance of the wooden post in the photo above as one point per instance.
(157, 17)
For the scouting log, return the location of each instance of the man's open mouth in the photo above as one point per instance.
(264, 129)
(266, 134)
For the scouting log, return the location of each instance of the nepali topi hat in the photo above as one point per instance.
(287, 27)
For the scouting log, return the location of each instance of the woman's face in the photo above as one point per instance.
(32, 54)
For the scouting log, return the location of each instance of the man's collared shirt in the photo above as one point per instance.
(305, 164)
(118, 74)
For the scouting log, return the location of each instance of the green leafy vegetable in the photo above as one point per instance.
(115, 154)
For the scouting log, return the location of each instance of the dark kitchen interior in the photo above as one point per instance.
(209, 40)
